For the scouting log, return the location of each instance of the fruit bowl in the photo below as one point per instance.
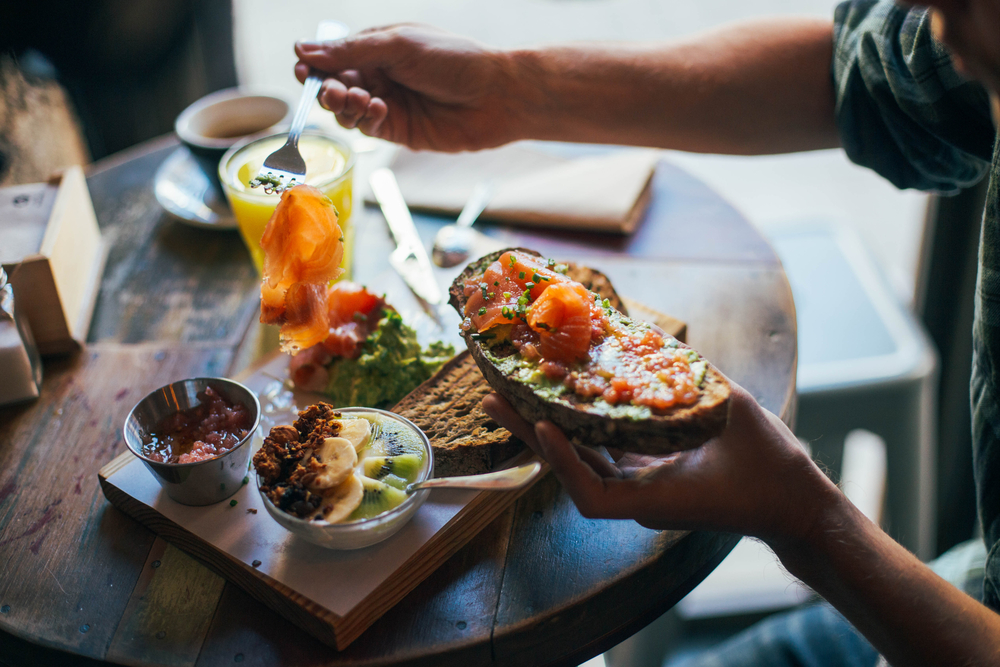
(363, 532)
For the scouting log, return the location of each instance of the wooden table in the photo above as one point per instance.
(541, 585)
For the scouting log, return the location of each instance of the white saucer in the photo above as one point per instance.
(185, 191)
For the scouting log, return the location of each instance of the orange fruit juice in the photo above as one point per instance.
(329, 168)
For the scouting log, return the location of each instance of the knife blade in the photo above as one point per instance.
(409, 258)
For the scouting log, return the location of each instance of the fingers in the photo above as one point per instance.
(504, 414)
(595, 496)
(380, 48)
(596, 460)
(353, 106)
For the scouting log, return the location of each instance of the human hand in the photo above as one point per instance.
(418, 86)
(754, 479)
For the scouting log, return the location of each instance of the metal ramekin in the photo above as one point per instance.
(201, 482)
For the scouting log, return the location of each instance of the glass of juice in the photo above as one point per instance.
(329, 168)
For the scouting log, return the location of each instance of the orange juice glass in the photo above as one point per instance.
(329, 168)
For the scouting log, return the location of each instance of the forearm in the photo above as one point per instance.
(912, 616)
(753, 88)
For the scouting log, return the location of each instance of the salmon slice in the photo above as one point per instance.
(493, 299)
(303, 245)
(306, 322)
(562, 318)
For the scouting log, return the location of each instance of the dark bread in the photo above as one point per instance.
(448, 408)
(681, 428)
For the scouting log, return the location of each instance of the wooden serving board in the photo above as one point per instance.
(332, 595)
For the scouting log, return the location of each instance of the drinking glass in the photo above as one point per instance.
(329, 168)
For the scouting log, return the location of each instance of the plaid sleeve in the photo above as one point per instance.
(901, 107)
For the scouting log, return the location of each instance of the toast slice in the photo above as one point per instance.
(588, 422)
(448, 406)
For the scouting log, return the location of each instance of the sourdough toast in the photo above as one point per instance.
(586, 421)
(448, 406)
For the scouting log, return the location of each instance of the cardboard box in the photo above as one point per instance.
(51, 248)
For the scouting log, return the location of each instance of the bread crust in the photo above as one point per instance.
(685, 427)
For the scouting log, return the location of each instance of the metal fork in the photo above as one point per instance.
(285, 168)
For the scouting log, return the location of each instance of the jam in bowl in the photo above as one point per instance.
(195, 437)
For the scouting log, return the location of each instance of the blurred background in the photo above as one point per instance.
(83, 81)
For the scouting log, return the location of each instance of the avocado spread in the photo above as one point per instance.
(391, 365)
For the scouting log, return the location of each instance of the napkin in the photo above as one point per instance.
(608, 192)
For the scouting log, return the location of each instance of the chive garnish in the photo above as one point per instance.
(482, 311)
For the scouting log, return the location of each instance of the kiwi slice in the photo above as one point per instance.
(405, 466)
(390, 438)
(377, 498)
(396, 481)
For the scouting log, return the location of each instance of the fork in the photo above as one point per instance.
(285, 168)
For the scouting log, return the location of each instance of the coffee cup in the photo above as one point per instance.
(211, 125)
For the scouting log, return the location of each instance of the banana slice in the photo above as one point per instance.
(337, 457)
(358, 431)
(340, 501)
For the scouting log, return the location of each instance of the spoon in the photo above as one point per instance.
(502, 480)
(285, 168)
(453, 243)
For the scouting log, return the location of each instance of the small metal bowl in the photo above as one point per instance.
(202, 482)
(365, 532)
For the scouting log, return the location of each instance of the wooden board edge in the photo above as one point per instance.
(114, 465)
(318, 621)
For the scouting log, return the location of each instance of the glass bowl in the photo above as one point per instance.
(200, 482)
(364, 532)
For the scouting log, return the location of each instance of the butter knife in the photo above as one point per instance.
(409, 258)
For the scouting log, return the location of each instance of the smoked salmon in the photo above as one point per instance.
(303, 247)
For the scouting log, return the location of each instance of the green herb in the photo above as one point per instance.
(496, 283)
(522, 300)
(512, 260)
(550, 263)
(483, 336)
(246, 480)
(520, 276)
(232, 503)
(537, 278)
(506, 295)
(482, 311)
(529, 285)
(491, 295)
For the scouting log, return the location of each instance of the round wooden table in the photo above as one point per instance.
(541, 585)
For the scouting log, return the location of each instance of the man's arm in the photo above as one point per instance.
(751, 88)
(755, 479)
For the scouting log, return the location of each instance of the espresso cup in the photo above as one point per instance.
(211, 125)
